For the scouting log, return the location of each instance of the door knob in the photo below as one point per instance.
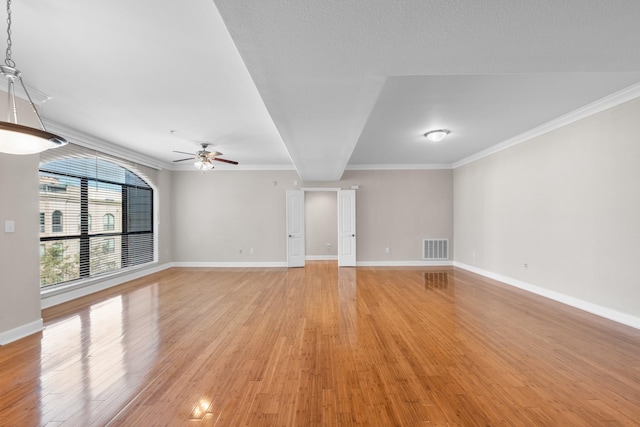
(290, 235)
(353, 235)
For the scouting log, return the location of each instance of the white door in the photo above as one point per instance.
(295, 228)
(347, 228)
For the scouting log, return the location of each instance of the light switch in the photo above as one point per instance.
(9, 226)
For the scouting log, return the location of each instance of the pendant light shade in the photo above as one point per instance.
(17, 138)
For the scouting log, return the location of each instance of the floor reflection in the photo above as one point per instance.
(436, 280)
(90, 357)
(347, 299)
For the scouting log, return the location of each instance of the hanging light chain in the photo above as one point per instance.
(8, 59)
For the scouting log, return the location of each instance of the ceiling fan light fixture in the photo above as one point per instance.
(437, 135)
(204, 159)
(14, 137)
(204, 164)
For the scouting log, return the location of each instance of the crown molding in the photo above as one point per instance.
(436, 166)
(89, 141)
(188, 167)
(37, 96)
(595, 107)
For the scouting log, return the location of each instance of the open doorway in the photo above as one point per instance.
(321, 225)
(345, 213)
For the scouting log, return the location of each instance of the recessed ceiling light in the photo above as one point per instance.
(437, 135)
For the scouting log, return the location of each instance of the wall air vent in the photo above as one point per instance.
(435, 249)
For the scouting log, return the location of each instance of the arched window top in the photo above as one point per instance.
(56, 221)
(109, 222)
(78, 187)
(94, 168)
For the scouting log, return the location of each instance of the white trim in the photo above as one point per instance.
(59, 295)
(212, 264)
(21, 331)
(597, 106)
(95, 143)
(188, 167)
(321, 257)
(589, 307)
(399, 167)
(38, 97)
(404, 263)
(336, 189)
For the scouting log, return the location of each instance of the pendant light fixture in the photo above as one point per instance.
(14, 137)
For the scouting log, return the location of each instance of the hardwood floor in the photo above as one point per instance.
(320, 346)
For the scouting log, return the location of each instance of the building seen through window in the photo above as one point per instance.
(109, 222)
(72, 192)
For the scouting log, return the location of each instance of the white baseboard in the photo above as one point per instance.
(316, 258)
(20, 332)
(321, 257)
(59, 295)
(229, 264)
(589, 307)
(404, 263)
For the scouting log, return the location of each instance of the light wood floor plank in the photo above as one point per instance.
(320, 346)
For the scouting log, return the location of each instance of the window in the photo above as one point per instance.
(109, 222)
(93, 186)
(42, 222)
(57, 251)
(109, 246)
(56, 222)
(42, 250)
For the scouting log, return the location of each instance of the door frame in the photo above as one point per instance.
(334, 189)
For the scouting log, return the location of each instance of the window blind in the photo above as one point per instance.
(98, 215)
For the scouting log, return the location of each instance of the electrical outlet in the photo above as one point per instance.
(241, 251)
(387, 250)
(526, 265)
(251, 250)
(9, 226)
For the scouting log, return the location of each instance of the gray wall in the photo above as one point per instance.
(219, 213)
(321, 223)
(164, 203)
(566, 203)
(396, 209)
(19, 259)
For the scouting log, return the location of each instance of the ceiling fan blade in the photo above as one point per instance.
(225, 161)
(182, 152)
(213, 154)
(182, 160)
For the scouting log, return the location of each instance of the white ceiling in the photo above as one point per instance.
(323, 85)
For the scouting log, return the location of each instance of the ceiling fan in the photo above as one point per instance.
(203, 159)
